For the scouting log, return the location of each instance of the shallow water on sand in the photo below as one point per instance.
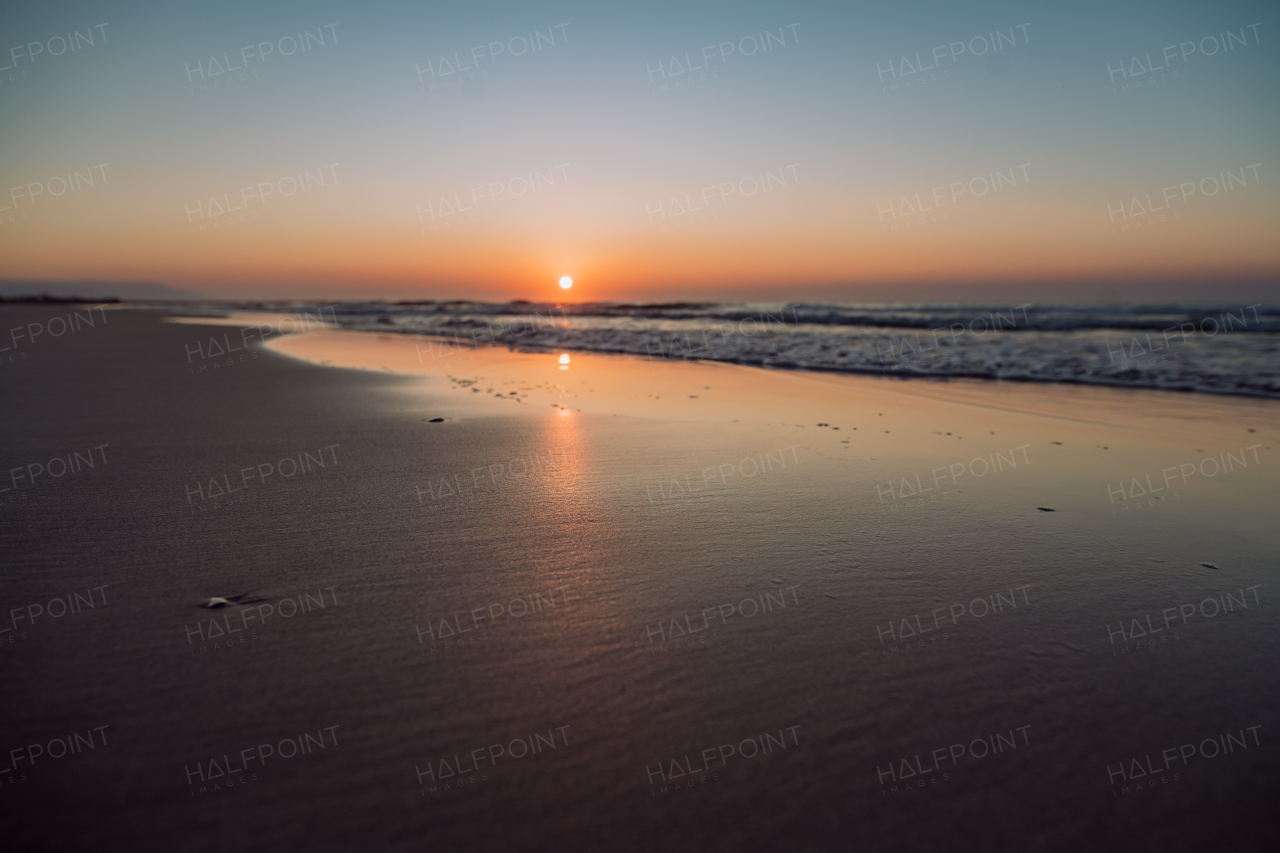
(721, 608)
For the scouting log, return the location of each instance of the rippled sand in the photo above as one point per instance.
(830, 603)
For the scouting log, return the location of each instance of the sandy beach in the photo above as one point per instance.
(639, 428)
(620, 603)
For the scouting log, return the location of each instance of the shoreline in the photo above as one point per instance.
(463, 494)
(402, 354)
(1210, 372)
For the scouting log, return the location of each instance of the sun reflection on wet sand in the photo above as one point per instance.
(726, 393)
(866, 430)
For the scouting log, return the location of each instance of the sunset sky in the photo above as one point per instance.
(723, 150)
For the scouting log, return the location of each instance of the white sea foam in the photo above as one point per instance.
(1227, 349)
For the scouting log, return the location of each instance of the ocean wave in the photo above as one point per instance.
(1256, 318)
(1222, 350)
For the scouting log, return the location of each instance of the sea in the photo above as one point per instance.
(1220, 349)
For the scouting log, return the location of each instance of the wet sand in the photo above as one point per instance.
(801, 530)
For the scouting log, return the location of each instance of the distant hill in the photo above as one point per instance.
(136, 290)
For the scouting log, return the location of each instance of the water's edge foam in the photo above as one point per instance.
(1228, 350)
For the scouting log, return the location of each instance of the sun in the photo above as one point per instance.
(566, 282)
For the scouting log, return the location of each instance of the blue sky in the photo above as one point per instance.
(821, 98)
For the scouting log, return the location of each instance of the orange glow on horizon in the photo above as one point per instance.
(493, 264)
